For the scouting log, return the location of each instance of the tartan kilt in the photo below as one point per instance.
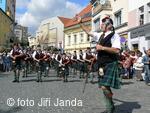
(86, 67)
(17, 65)
(111, 76)
(80, 66)
(94, 67)
(75, 65)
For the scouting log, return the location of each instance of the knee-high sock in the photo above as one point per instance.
(108, 99)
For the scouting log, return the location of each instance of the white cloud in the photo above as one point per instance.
(38, 10)
(29, 20)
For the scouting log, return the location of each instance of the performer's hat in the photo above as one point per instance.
(107, 20)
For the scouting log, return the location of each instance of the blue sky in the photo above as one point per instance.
(81, 2)
(30, 13)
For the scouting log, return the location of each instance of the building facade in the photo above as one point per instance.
(21, 34)
(139, 24)
(75, 37)
(120, 17)
(9, 7)
(51, 32)
(5, 29)
(100, 10)
(32, 42)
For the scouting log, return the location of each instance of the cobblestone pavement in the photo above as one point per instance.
(133, 97)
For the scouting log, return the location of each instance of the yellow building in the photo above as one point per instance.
(75, 37)
(5, 29)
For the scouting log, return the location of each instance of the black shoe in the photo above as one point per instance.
(66, 80)
(14, 81)
(109, 111)
(91, 82)
(104, 111)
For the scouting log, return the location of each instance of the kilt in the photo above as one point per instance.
(95, 67)
(111, 76)
(74, 65)
(81, 67)
(17, 65)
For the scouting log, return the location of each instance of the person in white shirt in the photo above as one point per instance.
(108, 47)
(16, 56)
(138, 66)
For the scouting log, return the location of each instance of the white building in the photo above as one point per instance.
(51, 32)
(139, 24)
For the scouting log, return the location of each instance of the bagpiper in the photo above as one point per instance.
(108, 48)
(64, 65)
(16, 55)
(38, 57)
(74, 62)
(81, 64)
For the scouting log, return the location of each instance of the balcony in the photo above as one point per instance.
(99, 8)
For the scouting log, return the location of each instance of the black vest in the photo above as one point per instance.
(81, 56)
(59, 57)
(74, 56)
(89, 56)
(105, 57)
(39, 55)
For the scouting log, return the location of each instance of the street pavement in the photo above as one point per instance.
(24, 97)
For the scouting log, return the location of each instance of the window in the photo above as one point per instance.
(148, 7)
(141, 21)
(135, 46)
(118, 18)
(141, 9)
(75, 39)
(141, 15)
(87, 15)
(81, 37)
(97, 24)
(95, 4)
(88, 38)
(148, 13)
(69, 40)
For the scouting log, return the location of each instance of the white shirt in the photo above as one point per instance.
(11, 52)
(138, 65)
(33, 55)
(115, 40)
(83, 56)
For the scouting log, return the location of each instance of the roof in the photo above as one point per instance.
(64, 20)
(85, 14)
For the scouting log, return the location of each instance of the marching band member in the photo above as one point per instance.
(38, 57)
(108, 47)
(16, 55)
